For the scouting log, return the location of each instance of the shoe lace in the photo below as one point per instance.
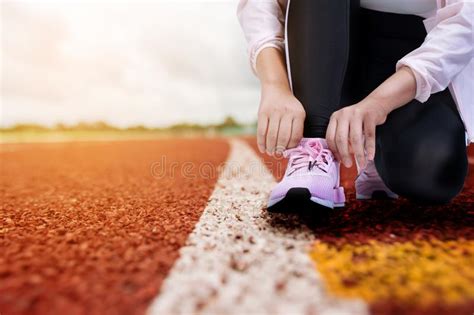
(309, 155)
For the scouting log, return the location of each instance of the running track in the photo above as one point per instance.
(95, 228)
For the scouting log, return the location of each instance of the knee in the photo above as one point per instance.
(427, 173)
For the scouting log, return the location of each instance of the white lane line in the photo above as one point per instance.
(242, 260)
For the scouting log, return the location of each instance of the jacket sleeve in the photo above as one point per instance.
(447, 49)
(263, 24)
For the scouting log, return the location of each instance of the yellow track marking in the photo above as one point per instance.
(418, 272)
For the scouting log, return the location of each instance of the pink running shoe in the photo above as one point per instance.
(369, 185)
(312, 173)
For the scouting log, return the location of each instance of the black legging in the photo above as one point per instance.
(338, 54)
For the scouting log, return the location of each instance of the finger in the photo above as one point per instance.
(272, 134)
(331, 137)
(342, 141)
(357, 143)
(284, 134)
(297, 127)
(261, 132)
(369, 133)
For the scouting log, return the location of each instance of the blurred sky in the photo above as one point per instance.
(125, 62)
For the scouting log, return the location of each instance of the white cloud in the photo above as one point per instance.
(155, 62)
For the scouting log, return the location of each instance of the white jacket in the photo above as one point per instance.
(445, 59)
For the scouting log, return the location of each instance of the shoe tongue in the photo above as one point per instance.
(313, 142)
(323, 143)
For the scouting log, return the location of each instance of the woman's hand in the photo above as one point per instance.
(280, 119)
(281, 115)
(353, 127)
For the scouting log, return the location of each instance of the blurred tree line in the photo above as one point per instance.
(229, 123)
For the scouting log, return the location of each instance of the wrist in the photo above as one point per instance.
(276, 84)
(396, 91)
(380, 102)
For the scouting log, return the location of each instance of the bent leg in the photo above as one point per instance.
(421, 150)
(319, 38)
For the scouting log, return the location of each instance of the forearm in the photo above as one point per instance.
(271, 69)
(396, 91)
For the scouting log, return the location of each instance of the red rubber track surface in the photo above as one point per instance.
(90, 228)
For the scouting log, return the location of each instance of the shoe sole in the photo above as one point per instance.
(378, 195)
(298, 195)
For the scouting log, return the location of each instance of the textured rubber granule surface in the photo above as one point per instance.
(399, 257)
(91, 228)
